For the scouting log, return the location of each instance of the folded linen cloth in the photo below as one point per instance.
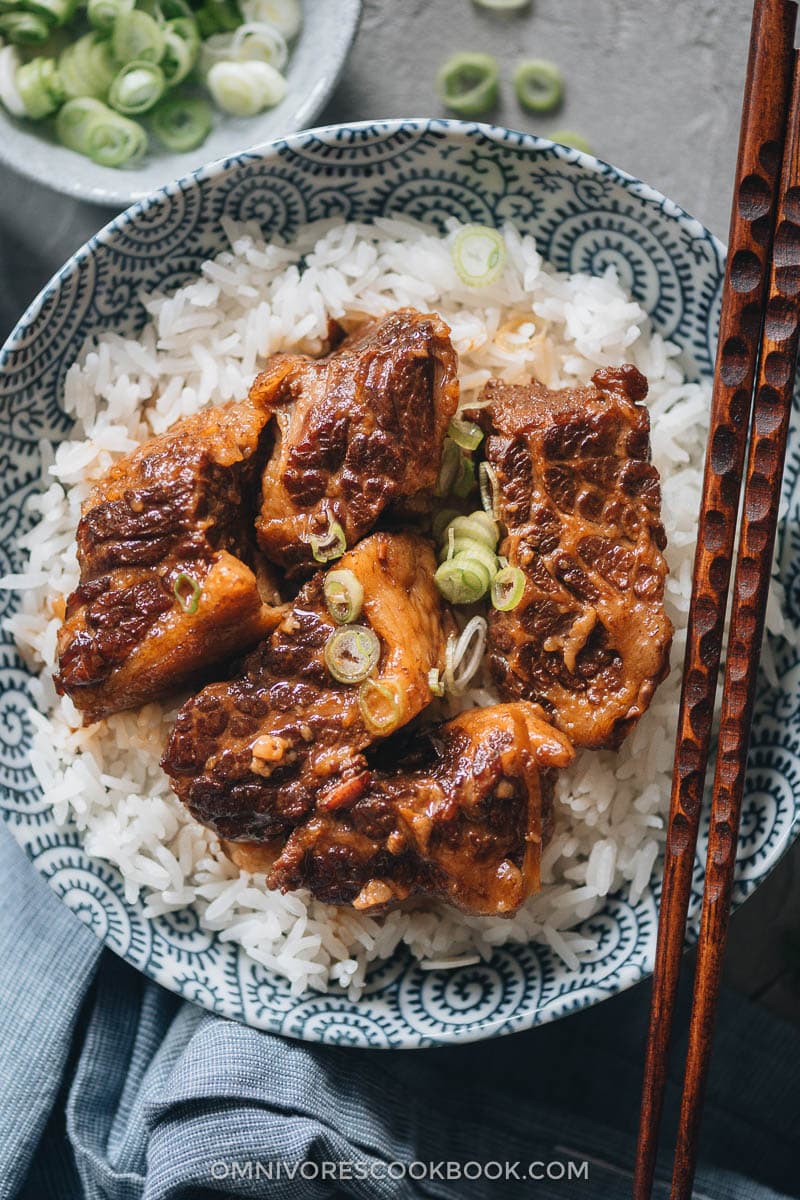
(112, 1088)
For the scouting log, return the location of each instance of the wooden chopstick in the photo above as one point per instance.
(762, 494)
(764, 120)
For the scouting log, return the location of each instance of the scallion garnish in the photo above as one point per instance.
(24, 28)
(137, 87)
(468, 559)
(245, 88)
(464, 481)
(435, 681)
(566, 137)
(468, 83)
(329, 545)
(87, 67)
(463, 655)
(137, 37)
(465, 434)
(507, 588)
(344, 596)
(181, 48)
(181, 122)
(187, 593)
(381, 706)
(351, 653)
(539, 85)
(487, 482)
(479, 255)
(284, 15)
(105, 136)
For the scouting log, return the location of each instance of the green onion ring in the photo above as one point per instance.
(465, 479)
(181, 122)
(435, 681)
(479, 255)
(24, 28)
(136, 88)
(40, 87)
(539, 85)
(137, 37)
(465, 434)
(372, 695)
(344, 596)
(468, 83)
(487, 482)
(189, 601)
(507, 588)
(351, 653)
(329, 545)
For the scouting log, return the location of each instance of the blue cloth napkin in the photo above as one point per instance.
(112, 1088)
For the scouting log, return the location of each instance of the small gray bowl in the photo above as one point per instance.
(315, 65)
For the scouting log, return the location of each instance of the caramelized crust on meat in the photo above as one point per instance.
(581, 506)
(463, 824)
(357, 431)
(251, 757)
(181, 504)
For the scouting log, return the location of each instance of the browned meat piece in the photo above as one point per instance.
(466, 826)
(251, 757)
(357, 431)
(175, 513)
(581, 506)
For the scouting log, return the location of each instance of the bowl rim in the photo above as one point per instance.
(111, 196)
(470, 131)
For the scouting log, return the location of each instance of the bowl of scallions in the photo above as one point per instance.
(108, 99)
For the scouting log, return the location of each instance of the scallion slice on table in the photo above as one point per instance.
(92, 128)
(137, 88)
(344, 596)
(539, 85)
(102, 14)
(566, 137)
(245, 88)
(40, 88)
(181, 122)
(469, 83)
(381, 705)
(24, 28)
(284, 15)
(479, 255)
(137, 37)
(351, 653)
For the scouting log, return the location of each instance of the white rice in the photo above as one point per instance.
(202, 345)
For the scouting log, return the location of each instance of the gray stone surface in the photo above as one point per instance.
(654, 86)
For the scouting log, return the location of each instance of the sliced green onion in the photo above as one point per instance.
(40, 87)
(449, 469)
(137, 87)
(463, 655)
(284, 15)
(54, 12)
(181, 122)
(468, 83)
(539, 85)
(477, 527)
(507, 588)
(351, 653)
(463, 580)
(479, 255)
(245, 88)
(487, 482)
(381, 706)
(465, 434)
(435, 682)
(261, 42)
(464, 481)
(87, 67)
(24, 28)
(109, 139)
(9, 93)
(217, 16)
(187, 593)
(103, 13)
(329, 545)
(181, 48)
(441, 521)
(176, 10)
(566, 137)
(137, 37)
(344, 596)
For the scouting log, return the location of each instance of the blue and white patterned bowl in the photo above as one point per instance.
(585, 215)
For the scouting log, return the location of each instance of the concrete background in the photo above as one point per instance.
(656, 89)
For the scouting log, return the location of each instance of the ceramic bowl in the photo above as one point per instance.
(316, 62)
(585, 215)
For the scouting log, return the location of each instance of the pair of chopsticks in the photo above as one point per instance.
(753, 384)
